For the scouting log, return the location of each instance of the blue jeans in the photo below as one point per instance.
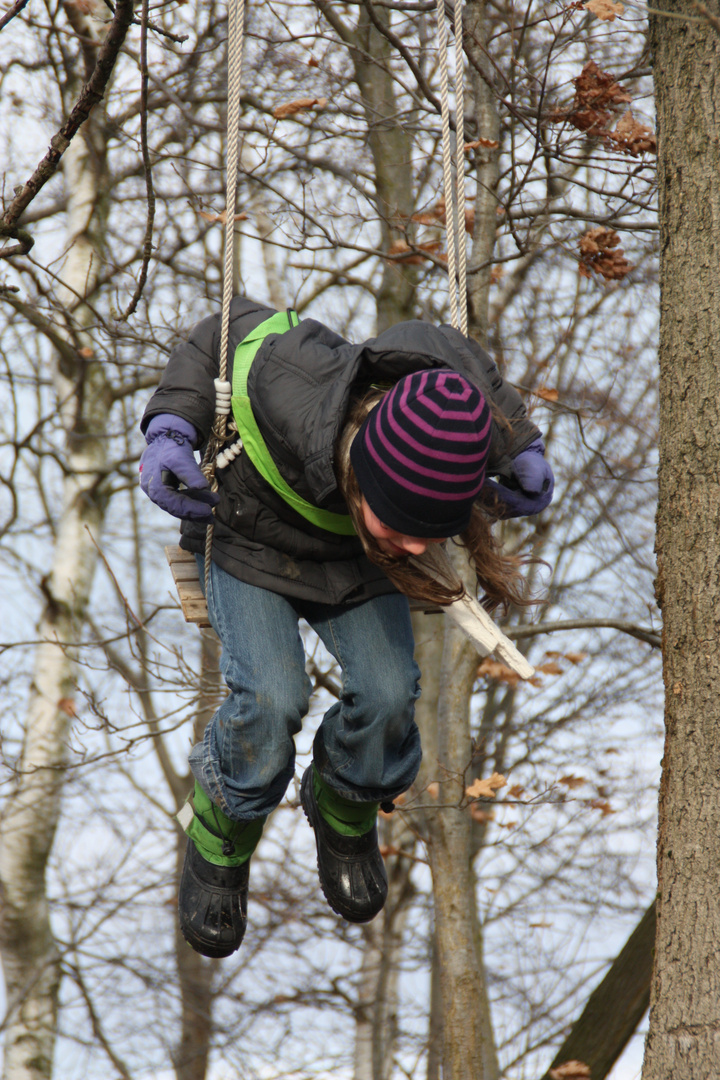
(368, 745)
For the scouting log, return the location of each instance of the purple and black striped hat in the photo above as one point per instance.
(421, 453)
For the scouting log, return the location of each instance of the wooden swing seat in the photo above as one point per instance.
(192, 600)
(187, 582)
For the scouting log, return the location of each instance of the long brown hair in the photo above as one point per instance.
(498, 574)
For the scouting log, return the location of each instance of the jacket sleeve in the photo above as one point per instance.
(187, 386)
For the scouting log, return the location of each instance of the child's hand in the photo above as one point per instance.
(533, 486)
(169, 461)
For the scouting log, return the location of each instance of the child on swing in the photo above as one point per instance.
(356, 461)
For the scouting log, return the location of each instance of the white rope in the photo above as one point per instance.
(447, 160)
(236, 24)
(223, 390)
(454, 198)
(460, 163)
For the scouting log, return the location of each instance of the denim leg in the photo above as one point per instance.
(247, 757)
(368, 745)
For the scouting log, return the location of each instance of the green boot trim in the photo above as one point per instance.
(345, 817)
(220, 840)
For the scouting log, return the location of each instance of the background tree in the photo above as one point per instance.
(346, 199)
(682, 1036)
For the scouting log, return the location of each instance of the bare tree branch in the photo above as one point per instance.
(91, 93)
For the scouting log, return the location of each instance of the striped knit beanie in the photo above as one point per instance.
(420, 455)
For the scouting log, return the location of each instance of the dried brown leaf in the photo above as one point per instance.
(550, 668)
(493, 669)
(599, 252)
(484, 144)
(516, 791)
(486, 787)
(547, 394)
(68, 706)
(576, 657)
(607, 10)
(571, 781)
(292, 108)
(597, 97)
(433, 789)
(402, 252)
(602, 805)
(632, 137)
(221, 217)
(571, 1070)
(481, 816)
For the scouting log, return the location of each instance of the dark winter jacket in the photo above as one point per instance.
(300, 385)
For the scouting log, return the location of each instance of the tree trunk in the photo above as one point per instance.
(684, 1035)
(31, 961)
(196, 973)
(377, 1017)
(487, 125)
(468, 1045)
(615, 1007)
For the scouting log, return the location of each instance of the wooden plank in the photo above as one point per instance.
(187, 582)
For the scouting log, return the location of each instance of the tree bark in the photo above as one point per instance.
(684, 1035)
(31, 959)
(468, 1045)
(196, 974)
(487, 167)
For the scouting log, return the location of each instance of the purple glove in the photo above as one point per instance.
(167, 462)
(533, 487)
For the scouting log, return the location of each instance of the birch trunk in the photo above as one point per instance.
(684, 1035)
(31, 959)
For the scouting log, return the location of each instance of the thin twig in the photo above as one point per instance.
(13, 11)
(91, 93)
(147, 243)
(642, 633)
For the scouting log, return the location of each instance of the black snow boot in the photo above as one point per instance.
(351, 868)
(212, 903)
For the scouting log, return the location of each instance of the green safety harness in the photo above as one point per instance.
(253, 442)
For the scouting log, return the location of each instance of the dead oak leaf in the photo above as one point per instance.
(550, 668)
(221, 217)
(632, 137)
(485, 788)
(600, 804)
(571, 1070)
(597, 97)
(607, 10)
(292, 108)
(482, 144)
(600, 252)
(493, 669)
(571, 781)
(402, 252)
(547, 394)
